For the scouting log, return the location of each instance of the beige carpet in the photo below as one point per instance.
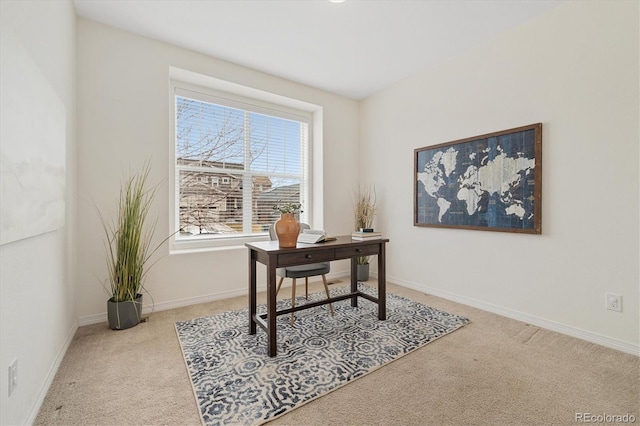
(493, 371)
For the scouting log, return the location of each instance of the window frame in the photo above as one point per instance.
(274, 105)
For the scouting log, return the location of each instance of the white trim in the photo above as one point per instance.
(206, 94)
(609, 342)
(239, 90)
(213, 243)
(46, 385)
(181, 303)
(596, 338)
(210, 89)
(148, 309)
(207, 246)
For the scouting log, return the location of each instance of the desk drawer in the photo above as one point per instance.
(304, 257)
(357, 251)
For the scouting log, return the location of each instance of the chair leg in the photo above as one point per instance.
(326, 289)
(293, 298)
(306, 288)
(279, 285)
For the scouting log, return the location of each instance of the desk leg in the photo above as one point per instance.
(272, 345)
(252, 293)
(382, 284)
(354, 281)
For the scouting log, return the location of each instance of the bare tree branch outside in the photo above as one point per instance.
(232, 166)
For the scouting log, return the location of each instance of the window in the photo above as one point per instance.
(234, 159)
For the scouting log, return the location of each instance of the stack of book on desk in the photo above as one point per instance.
(366, 235)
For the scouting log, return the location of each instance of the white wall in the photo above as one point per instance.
(576, 71)
(123, 119)
(37, 299)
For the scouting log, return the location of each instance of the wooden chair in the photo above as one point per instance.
(301, 271)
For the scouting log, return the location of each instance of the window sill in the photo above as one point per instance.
(211, 245)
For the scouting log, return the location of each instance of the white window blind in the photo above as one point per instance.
(233, 162)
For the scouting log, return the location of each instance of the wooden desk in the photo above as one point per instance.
(272, 256)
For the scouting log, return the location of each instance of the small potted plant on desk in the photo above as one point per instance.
(287, 227)
(364, 213)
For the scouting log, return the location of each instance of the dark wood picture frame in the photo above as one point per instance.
(491, 182)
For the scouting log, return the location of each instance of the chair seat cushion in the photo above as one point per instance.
(302, 271)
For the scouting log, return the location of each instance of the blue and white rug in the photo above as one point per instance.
(235, 382)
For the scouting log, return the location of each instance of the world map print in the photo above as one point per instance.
(484, 183)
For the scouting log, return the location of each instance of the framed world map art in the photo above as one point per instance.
(490, 182)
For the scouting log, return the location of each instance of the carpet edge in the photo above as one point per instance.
(186, 367)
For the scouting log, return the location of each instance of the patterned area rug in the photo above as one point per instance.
(235, 382)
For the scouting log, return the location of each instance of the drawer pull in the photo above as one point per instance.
(308, 256)
(358, 250)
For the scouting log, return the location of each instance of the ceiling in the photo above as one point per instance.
(353, 49)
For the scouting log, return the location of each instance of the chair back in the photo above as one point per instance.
(272, 230)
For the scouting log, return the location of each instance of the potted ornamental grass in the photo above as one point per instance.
(364, 211)
(128, 250)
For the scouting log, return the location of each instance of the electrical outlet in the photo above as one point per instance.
(614, 302)
(13, 376)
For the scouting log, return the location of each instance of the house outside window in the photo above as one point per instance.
(234, 160)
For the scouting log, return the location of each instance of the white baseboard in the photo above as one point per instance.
(42, 393)
(506, 312)
(163, 306)
(589, 336)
